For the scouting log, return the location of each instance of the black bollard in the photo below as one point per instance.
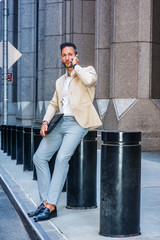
(4, 138)
(120, 184)
(28, 149)
(13, 142)
(19, 145)
(9, 140)
(51, 167)
(2, 129)
(82, 175)
(52, 163)
(36, 141)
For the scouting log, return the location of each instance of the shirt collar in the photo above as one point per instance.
(72, 73)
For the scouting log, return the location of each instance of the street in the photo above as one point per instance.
(11, 227)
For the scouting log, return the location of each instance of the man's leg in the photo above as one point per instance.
(48, 146)
(72, 137)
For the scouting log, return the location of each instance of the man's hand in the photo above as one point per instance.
(75, 60)
(44, 128)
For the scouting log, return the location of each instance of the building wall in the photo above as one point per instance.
(120, 38)
(1, 83)
(128, 92)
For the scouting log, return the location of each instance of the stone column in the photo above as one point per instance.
(102, 53)
(52, 39)
(1, 22)
(83, 29)
(67, 21)
(40, 61)
(1, 85)
(134, 72)
(12, 38)
(26, 64)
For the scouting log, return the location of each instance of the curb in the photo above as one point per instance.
(33, 229)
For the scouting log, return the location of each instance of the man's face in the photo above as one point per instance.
(67, 56)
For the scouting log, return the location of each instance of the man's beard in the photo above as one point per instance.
(67, 66)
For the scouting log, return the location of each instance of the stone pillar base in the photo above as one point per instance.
(135, 115)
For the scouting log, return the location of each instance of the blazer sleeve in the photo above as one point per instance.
(87, 75)
(52, 108)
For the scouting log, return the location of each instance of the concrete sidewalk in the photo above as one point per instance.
(83, 224)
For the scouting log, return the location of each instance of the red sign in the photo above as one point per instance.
(10, 77)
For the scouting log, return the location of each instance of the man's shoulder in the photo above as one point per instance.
(61, 78)
(90, 69)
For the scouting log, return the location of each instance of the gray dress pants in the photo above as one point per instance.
(66, 136)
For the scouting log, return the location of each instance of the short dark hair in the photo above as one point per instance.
(68, 44)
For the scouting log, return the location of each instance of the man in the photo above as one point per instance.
(73, 97)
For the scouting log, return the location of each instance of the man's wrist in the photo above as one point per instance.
(45, 123)
(75, 65)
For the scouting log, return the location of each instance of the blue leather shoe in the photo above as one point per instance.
(46, 215)
(38, 211)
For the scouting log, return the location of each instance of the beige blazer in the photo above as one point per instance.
(81, 94)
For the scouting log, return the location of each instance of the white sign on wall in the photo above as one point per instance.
(13, 54)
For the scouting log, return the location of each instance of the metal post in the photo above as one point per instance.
(82, 175)
(120, 184)
(5, 59)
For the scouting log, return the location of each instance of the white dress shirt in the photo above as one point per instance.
(66, 108)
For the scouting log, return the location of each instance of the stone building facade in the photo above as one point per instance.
(120, 38)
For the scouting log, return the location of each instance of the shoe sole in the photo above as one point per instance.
(37, 220)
